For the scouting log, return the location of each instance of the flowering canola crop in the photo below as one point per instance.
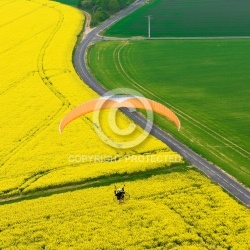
(174, 211)
(38, 86)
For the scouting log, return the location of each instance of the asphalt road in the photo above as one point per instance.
(214, 173)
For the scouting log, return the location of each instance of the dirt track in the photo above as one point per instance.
(87, 28)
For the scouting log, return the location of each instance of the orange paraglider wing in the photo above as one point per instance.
(158, 108)
(118, 102)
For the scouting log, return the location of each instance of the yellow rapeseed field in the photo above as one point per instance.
(38, 86)
(175, 211)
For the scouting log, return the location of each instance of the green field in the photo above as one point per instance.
(187, 18)
(205, 82)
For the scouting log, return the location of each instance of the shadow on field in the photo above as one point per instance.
(97, 182)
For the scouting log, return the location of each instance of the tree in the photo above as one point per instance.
(113, 6)
(102, 9)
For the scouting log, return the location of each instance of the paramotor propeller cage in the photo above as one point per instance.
(125, 198)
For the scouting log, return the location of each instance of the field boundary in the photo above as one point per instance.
(178, 38)
(95, 182)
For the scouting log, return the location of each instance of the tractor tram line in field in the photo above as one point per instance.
(60, 191)
(31, 135)
(227, 182)
(185, 116)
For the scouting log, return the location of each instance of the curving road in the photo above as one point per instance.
(214, 173)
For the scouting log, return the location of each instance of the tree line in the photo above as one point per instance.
(100, 10)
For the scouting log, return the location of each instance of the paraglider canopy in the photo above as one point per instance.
(119, 101)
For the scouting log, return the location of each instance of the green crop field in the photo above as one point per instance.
(187, 18)
(205, 82)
